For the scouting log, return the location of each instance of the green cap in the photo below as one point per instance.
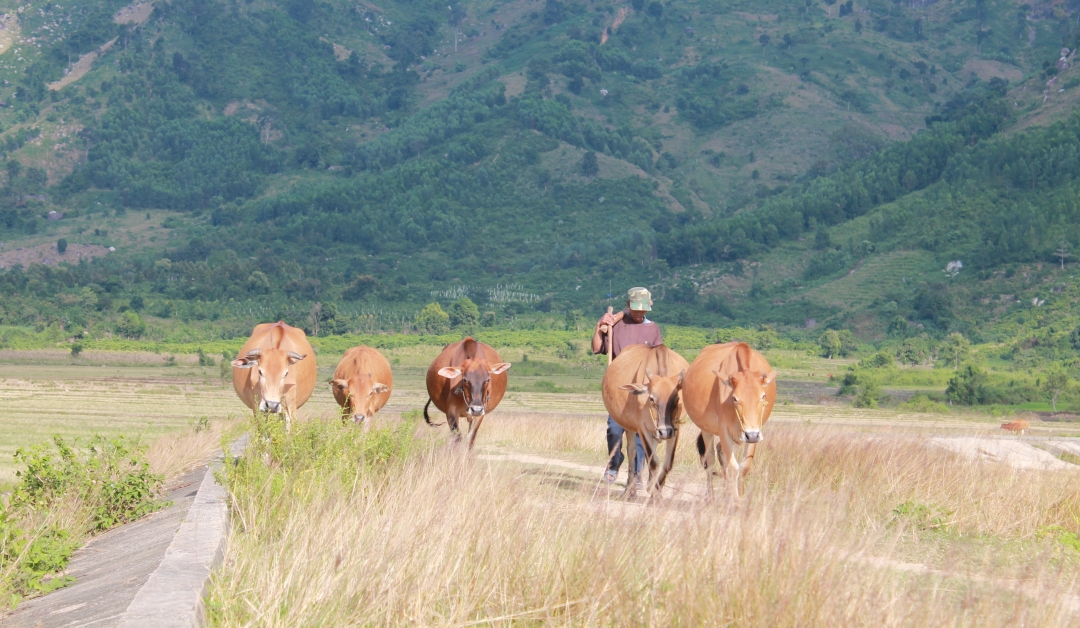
(639, 299)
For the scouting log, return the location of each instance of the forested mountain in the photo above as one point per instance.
(341, 164)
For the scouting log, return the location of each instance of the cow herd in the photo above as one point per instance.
(727, 391)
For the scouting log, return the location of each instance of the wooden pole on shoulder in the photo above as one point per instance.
(607, 329)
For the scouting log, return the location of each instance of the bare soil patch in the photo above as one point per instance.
(987, 70)
(134, 14)
(46, 254)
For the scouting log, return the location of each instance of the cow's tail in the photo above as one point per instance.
(427, 419)
(701, 444)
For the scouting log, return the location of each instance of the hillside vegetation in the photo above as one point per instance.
(341, 165)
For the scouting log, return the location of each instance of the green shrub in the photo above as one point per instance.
(433, 319)
(106, 483)
(923, 403)
(463, 313)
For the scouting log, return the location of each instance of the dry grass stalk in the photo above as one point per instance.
(447, 540)
(174, 454)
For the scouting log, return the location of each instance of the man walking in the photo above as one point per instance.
(629, 327)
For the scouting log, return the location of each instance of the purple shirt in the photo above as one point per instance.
(626, 332)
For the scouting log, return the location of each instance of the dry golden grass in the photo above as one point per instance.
(448, 539)
(172, 455)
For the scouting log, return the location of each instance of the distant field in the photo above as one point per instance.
(46, 392)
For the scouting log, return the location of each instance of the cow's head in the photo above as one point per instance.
(475, 385)
(273, 368)
(358, 394)
(660, 393)
(748, 390)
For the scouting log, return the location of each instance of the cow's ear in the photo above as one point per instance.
(450, 372)
(635, 389)
(770, 378)
(295, 357)
(500, 367)
(378, 388)
(339, 383)
(726, 381)
(245, 362)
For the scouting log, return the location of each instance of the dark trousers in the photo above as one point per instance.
(614, 443)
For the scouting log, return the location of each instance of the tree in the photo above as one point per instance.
(830, 343)
(463, 313)
(61, 246)
(361, 287)
(822, 240)
(590, 167)
(848, 343)
(911, 352)
(130, 325)
(1057, 381)
(955, 349)
(433, 320)
(1062, 252)
(967, 387)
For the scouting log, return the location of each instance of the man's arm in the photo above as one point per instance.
(599, 339)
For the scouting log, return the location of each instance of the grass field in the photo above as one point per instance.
(852, 517)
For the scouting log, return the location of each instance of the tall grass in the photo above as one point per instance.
(429, 536)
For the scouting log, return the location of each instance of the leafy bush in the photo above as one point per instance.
(463, 313)
(104, 484)
(968, 386)
(923, 403)
(433, 319)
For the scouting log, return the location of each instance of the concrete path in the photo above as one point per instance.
(152, 572)
(111, 569)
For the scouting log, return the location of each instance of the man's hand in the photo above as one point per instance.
(604, 324)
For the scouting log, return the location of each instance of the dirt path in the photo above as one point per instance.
(1019, 454)
(82, 66)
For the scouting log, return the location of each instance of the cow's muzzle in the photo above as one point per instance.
(476, 410)
(270, 406)
(664, 433)
(752, 436)
(358, 418)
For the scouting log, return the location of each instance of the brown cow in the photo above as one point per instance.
(729, 392)
(468, 379)
(362, 383)
(641, 390)
(276, 370)
(1019, 426)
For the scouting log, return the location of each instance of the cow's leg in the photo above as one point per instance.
(669, 459)
(451, 420)
(731, 468)
(744, 468)
(631, 457)
(474, 427)
(652, 448)
(707, 450)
